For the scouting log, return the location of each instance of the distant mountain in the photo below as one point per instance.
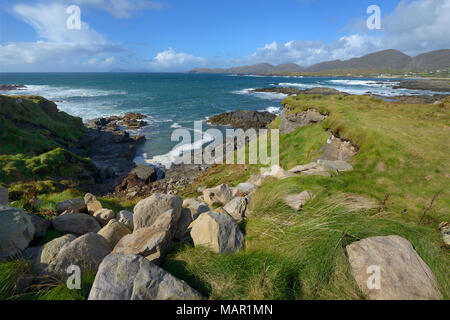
(431, 60)
(253, 69)
(381, 60)
(387, 59)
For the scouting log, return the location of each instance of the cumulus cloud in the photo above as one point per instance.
(57, 44)
(174, 60)
(121, 9)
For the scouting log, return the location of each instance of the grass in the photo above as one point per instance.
(301, 255)
(33, 125)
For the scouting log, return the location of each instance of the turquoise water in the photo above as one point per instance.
(171, 100)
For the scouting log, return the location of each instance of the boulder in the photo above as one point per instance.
(30, 253)
(145, 173)
(113, 232)
(16, 231)
(186, 219)
(149, 209)
(77, 205)
(126, 218)
(41, 225)
(246, 188)
(131, 277)
(236, 208)
(217, 231)
(336, 165)
(221, 194)
(3, 196)
(403, 274)
(151, 242)
(48, 252)
(197, 206)
(92, 204)
(87, 252)
(76, 223)
(103, 216)
(297, 201)
(338, 149)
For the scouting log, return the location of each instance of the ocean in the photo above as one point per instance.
(173, 100)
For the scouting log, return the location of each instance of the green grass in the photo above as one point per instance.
(33, 125)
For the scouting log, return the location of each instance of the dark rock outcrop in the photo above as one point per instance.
(294, 91)
(243, 119)
(12, 87)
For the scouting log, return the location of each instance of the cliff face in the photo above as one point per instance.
(32, 125)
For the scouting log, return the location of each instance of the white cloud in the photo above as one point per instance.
(58, 46)
(170, 59)
(121, 8)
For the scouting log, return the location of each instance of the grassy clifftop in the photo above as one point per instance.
(33, 125)
(34, 137)
(401, 165)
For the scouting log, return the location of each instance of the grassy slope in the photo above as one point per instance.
(402, 153)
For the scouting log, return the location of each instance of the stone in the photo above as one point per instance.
(197, 206)
(336, 165)
(92, 204)
(246, 188)
(76, 204)
(236, 208)
(217, 231)
(186, 219)
(103, 216)
(221, 194)
(277, 172)
(87, 252)
(338, 149)
(3, 196)
(297, 201)
(113, 232)
(131, 277)
(41, 225)
(16, 231)
(403, 273)
(151, 242)
(149, 209)
(48, 252)
(256, 179)
(76, 223)
(444, 227)
(30, 253)
(126, 218)
(145, 173)
(292, 121)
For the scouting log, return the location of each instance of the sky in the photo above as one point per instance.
(178, 35)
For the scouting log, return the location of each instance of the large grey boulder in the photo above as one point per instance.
(16, 231)
(126, 218)
(403, 275)
(113, 232)
(236, 208)
(151, 242)
(3, 196)
(77, 205)
(217, 231)
(48, 252)
(86, 252)
(76, 223)
(221, 194)
(186, 219)
(132, 277)
(149, 209)
(41, 225)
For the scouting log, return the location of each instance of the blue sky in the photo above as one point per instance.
(176, 35)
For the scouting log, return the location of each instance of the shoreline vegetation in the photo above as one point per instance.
(361, 181)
